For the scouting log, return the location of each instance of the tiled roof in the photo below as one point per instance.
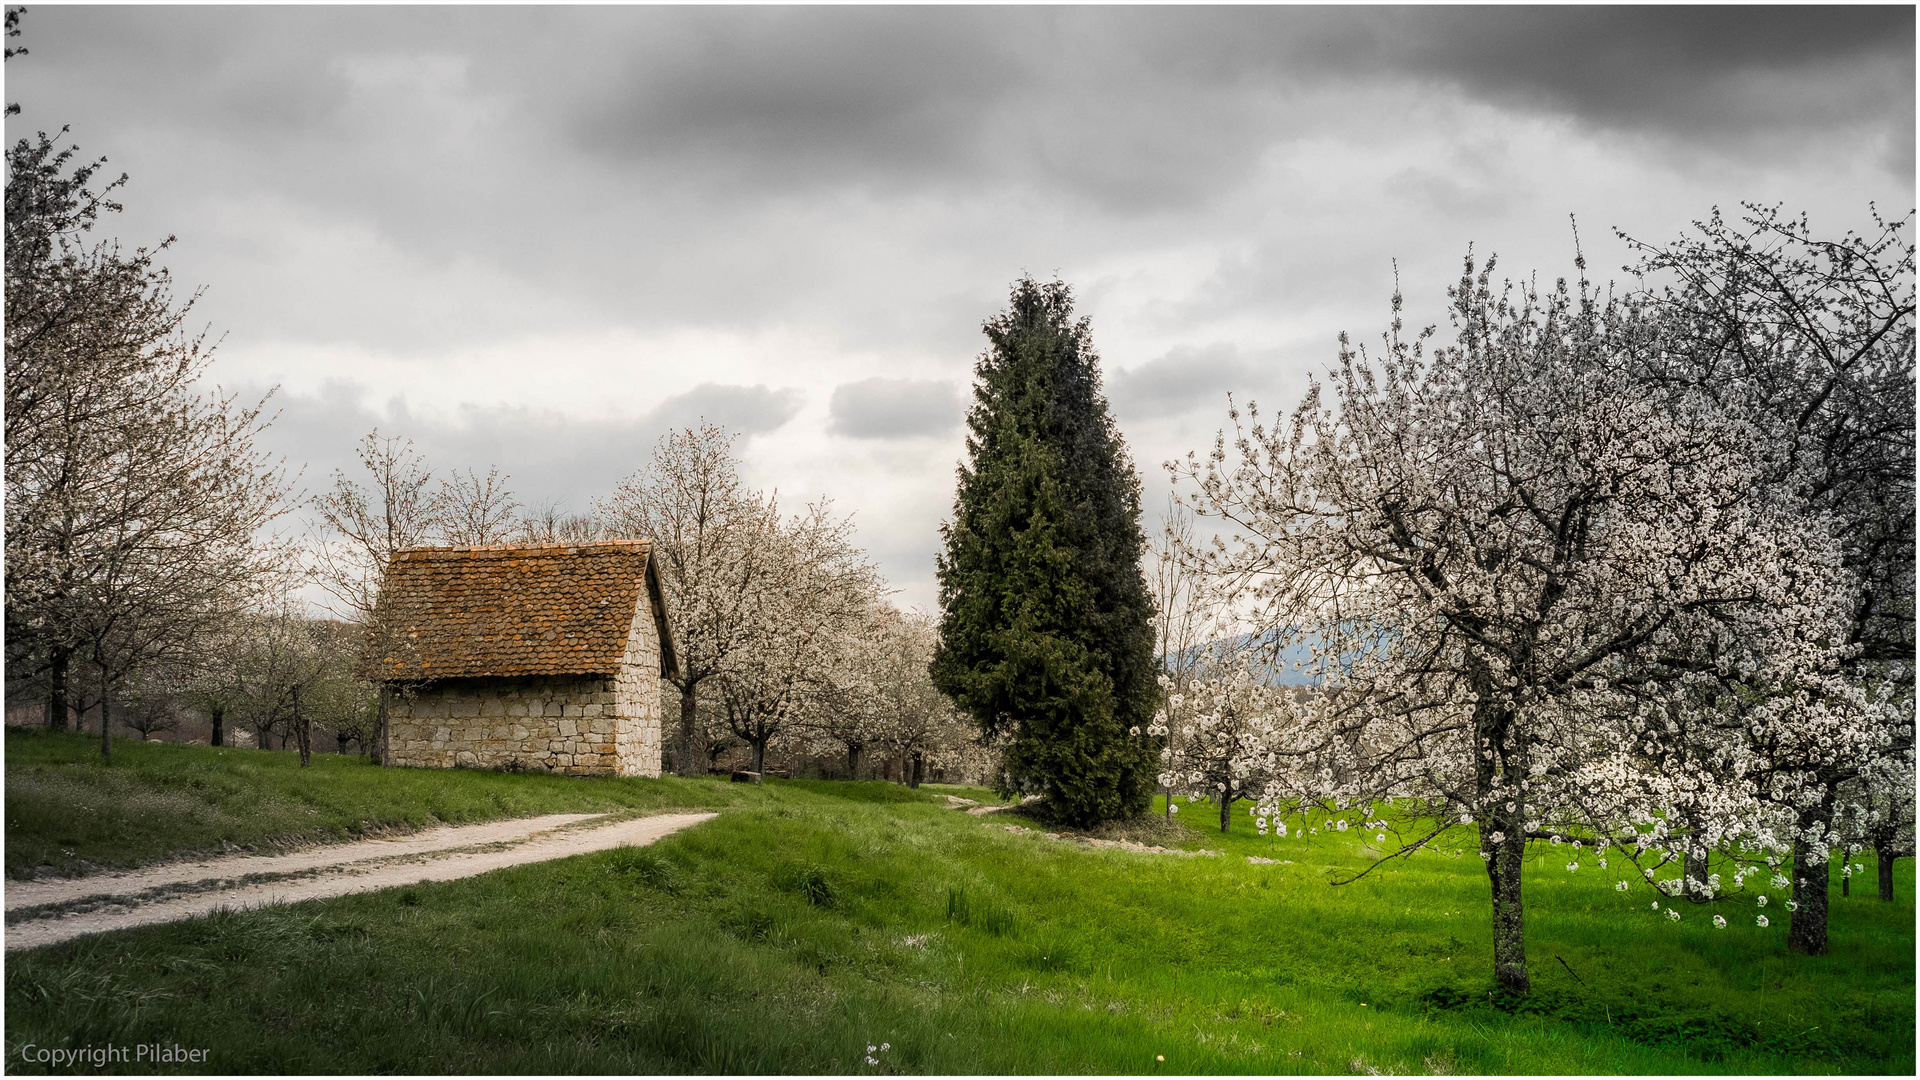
(550, 609)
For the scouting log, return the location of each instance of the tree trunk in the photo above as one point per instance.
(1168, 811)
(760, 757)
(1807, 924)
(218, 714)
(57, 689)
(1502, 824)
(378, 749)
(1509, 932)
(1883, 856)
(853, 761)
(1846, 872)
(1226, 809)
(919, 761)
(683, 763)
(1695, 871)
(302, 731)
(106, 725)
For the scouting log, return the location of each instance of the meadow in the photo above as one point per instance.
(813, 920)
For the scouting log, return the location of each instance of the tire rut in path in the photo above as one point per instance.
(446, 854)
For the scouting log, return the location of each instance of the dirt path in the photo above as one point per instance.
(45, 912)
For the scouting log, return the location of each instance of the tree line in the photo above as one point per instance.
(786, 637)
(136, 502)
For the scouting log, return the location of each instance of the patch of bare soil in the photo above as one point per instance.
(1119, 843)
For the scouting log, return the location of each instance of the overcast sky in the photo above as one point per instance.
(538, 237)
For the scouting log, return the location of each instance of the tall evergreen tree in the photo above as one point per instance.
(1046, 623)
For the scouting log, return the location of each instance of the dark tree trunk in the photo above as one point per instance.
(1504, 856)
(1168, 811)
(1226, 810)
(302, 726)
(1807, 924)
(683, 763)
(760, 757)
(218, 714)
(1883, 856)
(57, 689)
(1509, 934)
(106, 725)
(919, 763)
(381, 751)
(853, 761)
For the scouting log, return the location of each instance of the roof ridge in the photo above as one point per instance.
(556, 548)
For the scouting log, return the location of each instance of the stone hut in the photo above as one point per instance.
(544, 657)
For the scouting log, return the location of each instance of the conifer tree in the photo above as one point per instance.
(1046, 623)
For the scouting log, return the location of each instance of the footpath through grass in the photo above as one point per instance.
(812, 920)
(67, 814)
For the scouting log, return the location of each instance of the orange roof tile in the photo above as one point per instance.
(504, 610)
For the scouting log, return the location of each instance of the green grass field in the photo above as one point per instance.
(811, 920)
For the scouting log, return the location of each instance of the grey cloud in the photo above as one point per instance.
(894, 408)
(1186, 378)
(749, 410)
(550, 457)
(1141, 108)
(949, 100)
(1146, 108)
(1460, 198)
(546, 166)
(1684, 69)
(844, 91)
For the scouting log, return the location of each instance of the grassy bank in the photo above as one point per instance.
(815, 919)
(66, 813)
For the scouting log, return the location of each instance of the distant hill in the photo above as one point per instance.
(1293, 665)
